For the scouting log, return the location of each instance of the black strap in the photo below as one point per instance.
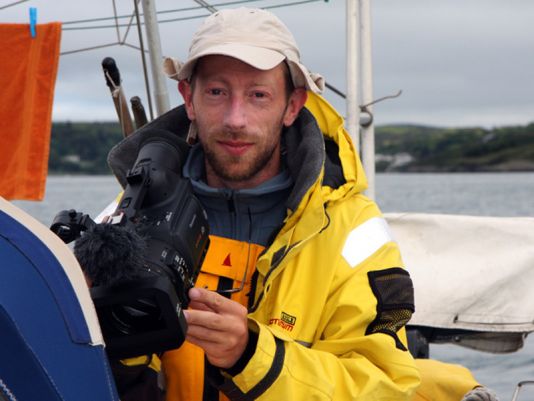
(233, 392)
(210, 392)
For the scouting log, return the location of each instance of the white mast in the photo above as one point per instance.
(368, 130)
(353, 109)
(161, 95)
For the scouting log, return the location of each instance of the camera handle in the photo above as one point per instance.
(68, 225)
(138, 179)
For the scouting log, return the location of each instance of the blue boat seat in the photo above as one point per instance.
(51, 347)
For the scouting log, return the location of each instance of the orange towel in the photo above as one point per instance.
(28, 69)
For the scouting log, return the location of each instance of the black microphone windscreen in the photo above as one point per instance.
(110, 253)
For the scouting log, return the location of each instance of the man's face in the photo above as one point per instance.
(240, 112)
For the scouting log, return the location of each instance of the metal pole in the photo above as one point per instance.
(156, 60)
(367, 132)
(143, 60)
(353, 109)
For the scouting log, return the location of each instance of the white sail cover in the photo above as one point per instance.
(473, 273)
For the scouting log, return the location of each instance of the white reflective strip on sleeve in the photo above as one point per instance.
(365, 240)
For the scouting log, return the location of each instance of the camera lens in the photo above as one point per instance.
(140, 316)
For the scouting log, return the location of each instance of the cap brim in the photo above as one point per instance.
(260, 58)
(257, 57)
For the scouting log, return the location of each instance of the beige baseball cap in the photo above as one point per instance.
(254, 36)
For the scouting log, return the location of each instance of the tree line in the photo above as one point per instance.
(429, 149)
(82, 148)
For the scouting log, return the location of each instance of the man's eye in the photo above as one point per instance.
(258, 95)
(215, 92)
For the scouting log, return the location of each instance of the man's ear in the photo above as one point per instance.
(184, 86)
(294, 105)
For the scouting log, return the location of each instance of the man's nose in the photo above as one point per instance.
(235, 116)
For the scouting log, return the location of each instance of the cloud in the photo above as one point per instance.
(458, 62)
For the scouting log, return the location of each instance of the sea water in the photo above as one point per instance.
(485, 194)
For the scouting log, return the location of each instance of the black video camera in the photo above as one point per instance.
(162, 229)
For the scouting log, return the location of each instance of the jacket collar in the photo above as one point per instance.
(257, 200)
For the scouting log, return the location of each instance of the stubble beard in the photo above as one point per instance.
(238, 168)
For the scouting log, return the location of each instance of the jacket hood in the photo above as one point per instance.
(343, 174)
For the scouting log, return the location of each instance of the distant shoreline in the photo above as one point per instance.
(82, 148)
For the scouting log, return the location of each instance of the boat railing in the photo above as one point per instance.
(519, 386)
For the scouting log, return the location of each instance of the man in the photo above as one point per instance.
(302, 294)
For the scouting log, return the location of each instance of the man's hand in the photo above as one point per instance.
(480, 393)
(218, 325)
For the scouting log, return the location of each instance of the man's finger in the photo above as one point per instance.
(211, 299)
(197, 333)
(199, 306)
(216, 302)
(205, 319)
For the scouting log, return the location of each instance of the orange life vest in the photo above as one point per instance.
(184, 367)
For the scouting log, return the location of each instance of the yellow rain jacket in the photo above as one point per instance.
(330, 297)
(443, 381)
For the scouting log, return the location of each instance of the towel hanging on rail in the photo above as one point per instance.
(28, 69)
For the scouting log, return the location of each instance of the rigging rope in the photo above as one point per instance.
(177, 10)
(118, 25)
(13, 4)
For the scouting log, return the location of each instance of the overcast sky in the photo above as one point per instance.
(457, 62)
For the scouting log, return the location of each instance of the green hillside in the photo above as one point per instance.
(428, 149)
(82, 148)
